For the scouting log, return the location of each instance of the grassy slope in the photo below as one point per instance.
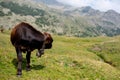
(69, 59)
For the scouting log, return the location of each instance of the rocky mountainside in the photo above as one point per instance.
(50, 2)
(58, 18)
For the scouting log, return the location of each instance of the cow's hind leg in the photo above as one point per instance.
(28, 60)
(19, 57)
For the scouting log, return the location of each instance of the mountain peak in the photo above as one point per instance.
(111, 12)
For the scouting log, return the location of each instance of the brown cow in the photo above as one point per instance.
(25, 38)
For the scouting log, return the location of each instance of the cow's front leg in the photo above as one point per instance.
(19, 57)
(28, 60)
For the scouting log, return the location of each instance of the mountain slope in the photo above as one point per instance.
(70, 21)
(50, 2)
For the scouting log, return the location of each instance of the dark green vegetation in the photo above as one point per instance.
(60, 19)
(70, 59)
(22, 10)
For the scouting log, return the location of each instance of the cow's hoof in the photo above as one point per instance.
(19, 75)
(28, 69)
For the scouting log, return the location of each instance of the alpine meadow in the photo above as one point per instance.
(86, 42)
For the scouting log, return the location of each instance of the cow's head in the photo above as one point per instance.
(46, 45)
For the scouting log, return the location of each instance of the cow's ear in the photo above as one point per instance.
(47, 37)
(46, 34)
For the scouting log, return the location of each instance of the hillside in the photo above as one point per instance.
(70, 59)
(86, 41)
(57, 18)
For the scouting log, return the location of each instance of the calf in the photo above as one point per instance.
(25, 39)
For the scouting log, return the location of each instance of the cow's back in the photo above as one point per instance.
(23, 34)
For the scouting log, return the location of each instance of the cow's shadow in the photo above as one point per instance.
(33, 67)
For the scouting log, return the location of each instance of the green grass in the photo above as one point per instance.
(109, 51)
(70, 59)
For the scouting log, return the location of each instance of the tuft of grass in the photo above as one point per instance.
(70, 59)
